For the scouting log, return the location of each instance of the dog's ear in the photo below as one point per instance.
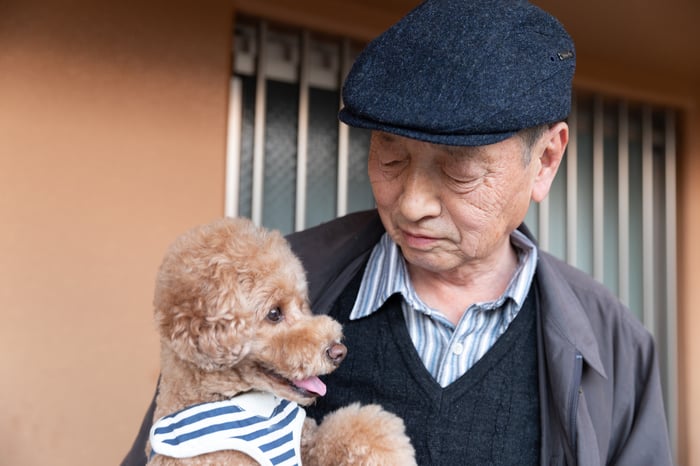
(197, 292)
(209, 343)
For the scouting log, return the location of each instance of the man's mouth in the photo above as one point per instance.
(416, 240)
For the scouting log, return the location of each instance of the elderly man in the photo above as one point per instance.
(491, 351)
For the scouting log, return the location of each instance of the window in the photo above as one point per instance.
(291, 164)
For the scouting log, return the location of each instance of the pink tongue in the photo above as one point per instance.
(312, 384)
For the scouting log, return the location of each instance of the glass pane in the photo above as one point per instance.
(584, 169)
(322, 161)
(636, 226)
(557, 212)
(359, 190)
(245, 190)
(280, 156)
(660, 249)
(611, 229)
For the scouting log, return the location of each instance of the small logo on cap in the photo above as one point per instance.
(565, 55)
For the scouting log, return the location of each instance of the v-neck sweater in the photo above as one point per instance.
(490, 415)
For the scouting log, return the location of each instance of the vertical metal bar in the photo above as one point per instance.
(302, 133)
(598, 188)
(572, 185)
(623, 189)
(343, 136)
(649, 314)
(233, 148)
(671, 281)
(259, 126)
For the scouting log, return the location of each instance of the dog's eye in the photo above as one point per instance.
(275, 315)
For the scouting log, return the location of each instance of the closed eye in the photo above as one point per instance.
(393, 164)
(390, 163)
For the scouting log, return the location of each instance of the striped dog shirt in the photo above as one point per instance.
(261, 425)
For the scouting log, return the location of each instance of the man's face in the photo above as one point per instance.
(446, 206)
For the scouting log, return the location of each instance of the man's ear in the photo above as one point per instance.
(550, 150)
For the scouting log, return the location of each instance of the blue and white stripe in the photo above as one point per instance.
(261, 425)
(448, 351)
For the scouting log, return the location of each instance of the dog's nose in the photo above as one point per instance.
(336, 352)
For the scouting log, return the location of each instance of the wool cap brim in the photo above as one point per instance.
(463, 72)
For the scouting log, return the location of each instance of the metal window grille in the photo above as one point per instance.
(290, 163)
(611, 211)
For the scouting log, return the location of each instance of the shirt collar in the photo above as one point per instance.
(386, 274)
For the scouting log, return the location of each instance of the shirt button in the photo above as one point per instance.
(457, 348)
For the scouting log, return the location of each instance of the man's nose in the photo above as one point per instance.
(420, 197)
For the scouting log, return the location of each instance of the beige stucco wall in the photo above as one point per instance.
(112, 141)
(112, 120)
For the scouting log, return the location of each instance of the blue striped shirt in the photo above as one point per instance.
(447, 351)
(261, 425)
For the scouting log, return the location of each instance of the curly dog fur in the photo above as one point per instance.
(232, 311)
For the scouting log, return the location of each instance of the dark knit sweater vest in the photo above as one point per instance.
(489, 416)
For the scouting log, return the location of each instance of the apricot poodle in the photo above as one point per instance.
(241, 351)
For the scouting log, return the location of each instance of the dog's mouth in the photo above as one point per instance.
(310, 387)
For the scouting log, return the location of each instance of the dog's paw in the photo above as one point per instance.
(361, 435)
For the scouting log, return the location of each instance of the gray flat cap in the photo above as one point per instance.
(463, 72)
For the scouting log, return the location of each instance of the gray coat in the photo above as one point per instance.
(600, 392)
